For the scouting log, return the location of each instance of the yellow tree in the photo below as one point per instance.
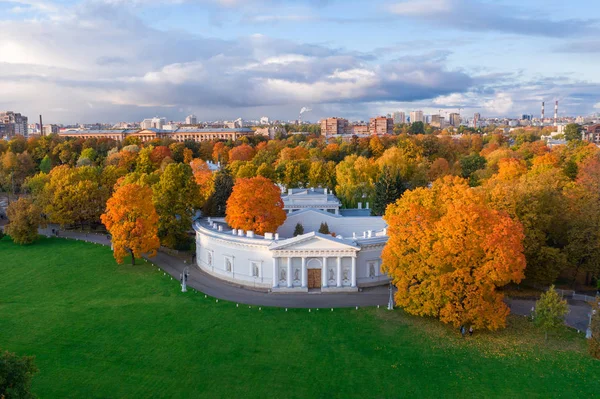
(355, 177)
(132, 221)
(24, 219)
(255, 204)
(448, 252)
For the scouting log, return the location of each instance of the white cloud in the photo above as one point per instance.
(500, 104)
(597, 106)
(421, 7)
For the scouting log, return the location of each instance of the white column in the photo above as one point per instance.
(289, 272)
(324, 273)
(304, 273)
(275, 284)
(353, 271)
(338, 273)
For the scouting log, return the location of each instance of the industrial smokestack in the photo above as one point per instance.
(556, 113)
(543, 111)
(41, 127)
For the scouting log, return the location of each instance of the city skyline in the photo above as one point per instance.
(112, 60)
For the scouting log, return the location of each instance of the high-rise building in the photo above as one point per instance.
(381, 125)
(416, 116)
(14, 124)
(191, 120)
(264, 120)
(49, 129)
(332, 126)
(153, 123)
(399, 117)
(437, 121)
(455, 119)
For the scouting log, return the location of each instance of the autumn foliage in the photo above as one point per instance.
(132, 221)
(448, 252)
(255, 204)
(25, 218)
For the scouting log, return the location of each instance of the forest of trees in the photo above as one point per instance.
(552, 193)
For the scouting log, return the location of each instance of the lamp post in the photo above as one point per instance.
(391, 301)
(184, 278)
(588, 332)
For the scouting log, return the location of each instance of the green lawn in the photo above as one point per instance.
(102, 330)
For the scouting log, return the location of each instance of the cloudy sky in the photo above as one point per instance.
(123, 60)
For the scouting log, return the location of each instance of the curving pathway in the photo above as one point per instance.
(577, 318)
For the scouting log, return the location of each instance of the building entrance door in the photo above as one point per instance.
(314, 278)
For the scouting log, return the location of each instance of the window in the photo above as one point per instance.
(209, 258)
(228, 264)
(255, 269)
(372, 268)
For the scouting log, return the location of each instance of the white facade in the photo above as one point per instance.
(310, 198)
(191, 120)
(282, 263)
(416, 116)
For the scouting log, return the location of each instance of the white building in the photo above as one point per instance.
(191, 120)
(416, 116)
(283, 263)
(264, 120)
(399, 117)
(153, 123)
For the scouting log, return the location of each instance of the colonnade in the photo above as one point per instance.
(304, 272)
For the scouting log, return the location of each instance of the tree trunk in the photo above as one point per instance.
(132, 258)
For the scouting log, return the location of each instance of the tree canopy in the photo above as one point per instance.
(448, 252)
(132, 221)
(255, 205)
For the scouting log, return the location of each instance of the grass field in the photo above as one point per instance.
(101, 330)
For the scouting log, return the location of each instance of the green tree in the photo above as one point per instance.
(24, 219)
(298, 230)
(572, 132)
(324, 228)
(550, 311)
(469, 165)
(417, 128)
(388, 189)
(16, 374)
(217, 202)
(174, 196)
(46, 164)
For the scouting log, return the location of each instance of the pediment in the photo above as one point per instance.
(314, 241)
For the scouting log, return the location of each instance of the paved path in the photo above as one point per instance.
(577, 318)
(219, 289)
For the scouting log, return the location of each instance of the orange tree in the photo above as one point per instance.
(204, 179)
(132, 221)
(255, 204)
(448, 252)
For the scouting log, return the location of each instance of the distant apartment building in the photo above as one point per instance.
(437, 121)
(399, 117)
(264, 120)
(454, 119)
(333, 126)
(381, 125)
(417, 116)
(191, 120)
(49, 129)
(360, 129)
(153, 123)
(592, 134)
(14, 124)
